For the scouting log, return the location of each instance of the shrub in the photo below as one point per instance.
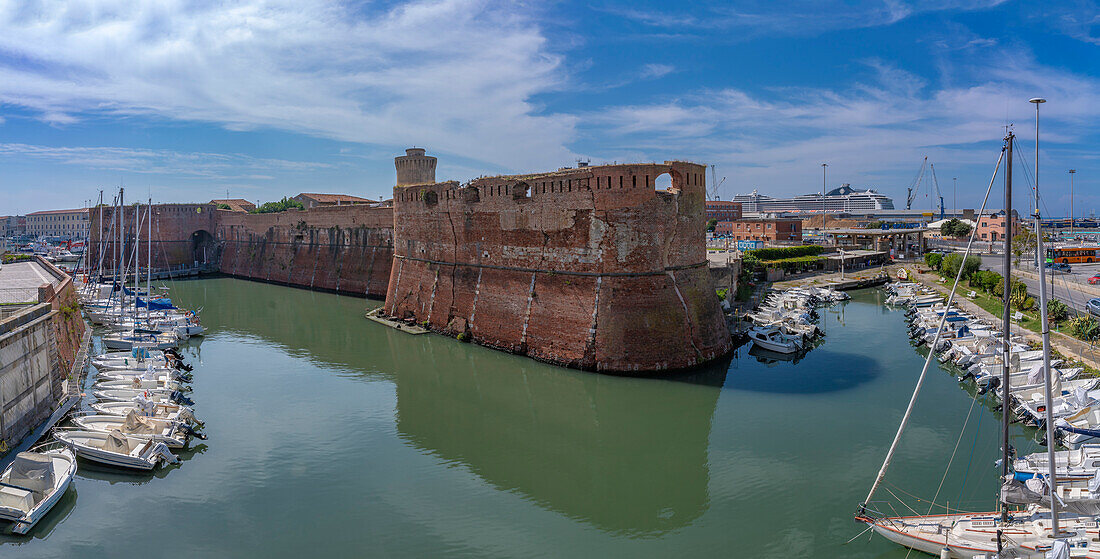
(224, 206)
(722, 293)
(1085, 328)
(779, 253)
(1057, 311)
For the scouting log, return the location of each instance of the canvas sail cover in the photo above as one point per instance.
(117, 442)
(1015, 492)
(33, 471)
(138, 425)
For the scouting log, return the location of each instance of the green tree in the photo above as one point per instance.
(875, 225)
(955, 228)
(1023, 243)
(280, 206)
(224, 206)
(933, 259)
(711, 225)
(949, 266)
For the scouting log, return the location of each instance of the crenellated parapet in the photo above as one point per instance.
(593, 267)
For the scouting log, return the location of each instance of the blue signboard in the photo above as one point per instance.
(749, 245)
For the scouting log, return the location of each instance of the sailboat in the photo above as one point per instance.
(1028, 522)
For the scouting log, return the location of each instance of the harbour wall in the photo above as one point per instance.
(344, 249)
(592, 268)
(38, 349)
(183, 235)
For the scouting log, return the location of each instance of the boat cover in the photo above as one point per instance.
(135, 424)
(33, 471)
(117, 442)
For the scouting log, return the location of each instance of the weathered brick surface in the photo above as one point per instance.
(180, 234)
(590, 267)
(348, 249)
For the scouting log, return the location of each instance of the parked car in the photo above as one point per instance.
(1059, 267)
(1094, 279)
(1093, 306)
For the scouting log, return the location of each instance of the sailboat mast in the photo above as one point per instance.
(1047, 371)
(149, 261)
(137, 254)
(1006, 367)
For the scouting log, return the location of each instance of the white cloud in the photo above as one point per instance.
(216, 166)
(456, 75)
(877, 129)
(652, 71)
(803, 17)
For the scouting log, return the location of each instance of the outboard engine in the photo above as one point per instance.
(180, 399)
(990, 384)
(187, 430)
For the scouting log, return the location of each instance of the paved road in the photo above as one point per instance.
(1065, 286)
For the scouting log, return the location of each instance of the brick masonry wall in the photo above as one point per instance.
(180, 233)
(346, 249)
(590, 268)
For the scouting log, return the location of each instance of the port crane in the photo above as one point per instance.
(914, 187)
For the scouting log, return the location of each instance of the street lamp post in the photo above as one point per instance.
(823, 236)
(1055, 532)
(1071, 173)
(954, 194)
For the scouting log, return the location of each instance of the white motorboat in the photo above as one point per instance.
(127, 394)
(117, 449)
(168, 411)
(33, 483)
(138, 339)
(139, 383)
(172, 433)
(773, 339)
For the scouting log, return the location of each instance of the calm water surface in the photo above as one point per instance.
(334, 436)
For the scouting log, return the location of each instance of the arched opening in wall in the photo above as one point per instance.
(521, 191)
(431, 198)
(663, 182)
(202, 247)
(471, 194)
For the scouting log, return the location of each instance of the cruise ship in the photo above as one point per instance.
(843, 199)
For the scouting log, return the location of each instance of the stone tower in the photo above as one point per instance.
(414, 167)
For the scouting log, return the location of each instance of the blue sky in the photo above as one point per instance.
(184, 101)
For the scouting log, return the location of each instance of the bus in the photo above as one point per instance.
(1066, 255)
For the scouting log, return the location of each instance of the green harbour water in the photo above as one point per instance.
(333, 436)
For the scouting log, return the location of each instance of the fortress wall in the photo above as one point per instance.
(347, 249)
(591, 267)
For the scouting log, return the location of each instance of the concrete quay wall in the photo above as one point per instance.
(592, 268)
(344, 249)
(38, 348)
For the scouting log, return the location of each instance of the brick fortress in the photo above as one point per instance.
(591, 268)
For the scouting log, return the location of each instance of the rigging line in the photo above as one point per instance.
(953, 452)
(944, 507)
(939, 331)
(970, 461)
(906, 505)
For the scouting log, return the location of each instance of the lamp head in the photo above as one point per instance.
(1037, 100)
